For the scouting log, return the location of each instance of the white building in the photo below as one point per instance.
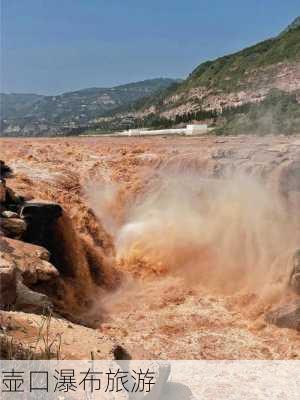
(196, 129)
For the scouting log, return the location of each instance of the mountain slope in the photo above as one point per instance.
(15, 105)
(90, 103)
(24, 114)
(242, 77)
(293, 25)
(233, 70)
(247, 76)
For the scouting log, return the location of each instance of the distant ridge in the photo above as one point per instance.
(31, 114)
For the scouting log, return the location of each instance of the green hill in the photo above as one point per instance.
(218, 89)
(232, 71)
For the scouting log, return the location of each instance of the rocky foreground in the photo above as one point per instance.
(99, 249)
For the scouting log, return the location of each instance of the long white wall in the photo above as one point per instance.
(194, 129)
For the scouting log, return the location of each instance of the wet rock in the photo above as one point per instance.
(120, 353)
(30, 301)
(8, 282)
(40, 216)
(12, 227)
(13, 199)
(290, 177)
(43, 210)
(5, 170)
(9, 201)
(30, 260)
(2, 191)
(9, 214)
(294, 281)
(286, 316)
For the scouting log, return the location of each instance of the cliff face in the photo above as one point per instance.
(282, 76)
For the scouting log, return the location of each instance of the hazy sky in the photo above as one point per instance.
(52, 46)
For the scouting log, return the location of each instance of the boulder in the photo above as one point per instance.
(40, 217)
(120, 353)
(29, 301)
(8, 199)
(30, 260)
(9, 214)
(12, 199)
(12, 227)
(285, 316)
(8, 282)
(23, 265)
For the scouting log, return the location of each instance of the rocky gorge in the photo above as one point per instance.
(199, 234)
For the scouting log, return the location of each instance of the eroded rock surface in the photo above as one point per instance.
(24, 266)
(30, 301)
(8, 283)
(286, 316)
(13, 227)
(31, 261)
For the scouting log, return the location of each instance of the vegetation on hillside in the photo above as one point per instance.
(250, 68)
(71, 111)
(279, 113)
(156, 99)
(15, 105)
(121, 107)
(231, 71)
